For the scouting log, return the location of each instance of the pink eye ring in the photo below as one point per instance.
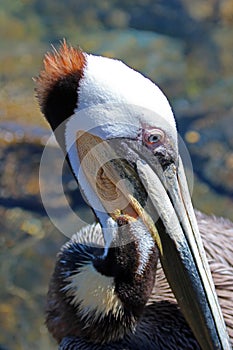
(155, 136)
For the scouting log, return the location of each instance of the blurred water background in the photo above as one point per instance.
(185, 46)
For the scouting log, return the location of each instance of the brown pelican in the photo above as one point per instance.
(119, 286)
(153, 329)
(118, 132)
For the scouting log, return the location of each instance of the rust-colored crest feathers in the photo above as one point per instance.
(58, 64)
(60, 77)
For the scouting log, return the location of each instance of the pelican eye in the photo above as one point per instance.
(155, 136)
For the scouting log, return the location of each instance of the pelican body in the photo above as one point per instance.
(118, 133)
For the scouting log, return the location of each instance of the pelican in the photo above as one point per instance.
(118, 133)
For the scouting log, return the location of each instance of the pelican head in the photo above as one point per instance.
(119, 134)
(100, 297)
